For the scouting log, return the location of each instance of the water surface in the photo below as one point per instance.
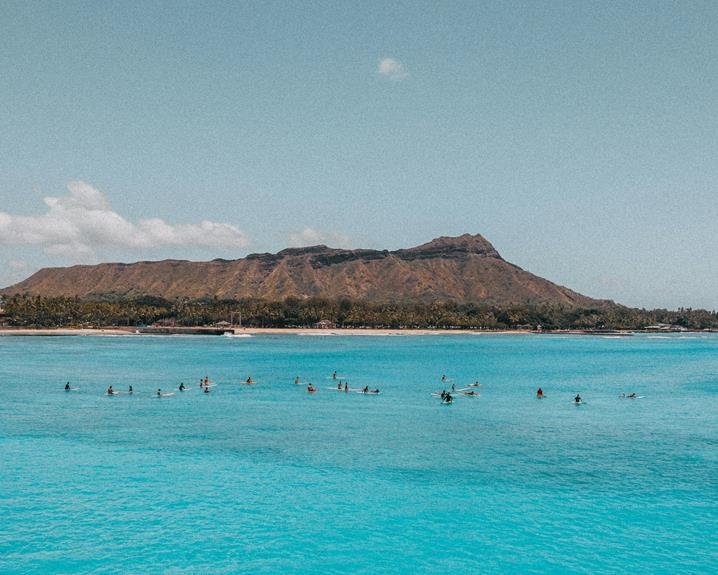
(271, 479)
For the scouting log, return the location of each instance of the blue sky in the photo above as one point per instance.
(580, 138)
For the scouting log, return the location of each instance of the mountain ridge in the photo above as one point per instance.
(462, 269)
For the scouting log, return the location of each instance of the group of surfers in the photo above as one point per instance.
(341, 386)
(540, 395)
(446, 396)
(578, 399)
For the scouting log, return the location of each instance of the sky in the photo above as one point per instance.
(580, 138)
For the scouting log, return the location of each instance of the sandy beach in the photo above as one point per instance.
(64, 331)
(248, 331)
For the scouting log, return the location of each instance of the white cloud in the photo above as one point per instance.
(78, 224)
(312, 237)
(392, 69)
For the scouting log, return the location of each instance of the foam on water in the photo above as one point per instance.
(270, 479)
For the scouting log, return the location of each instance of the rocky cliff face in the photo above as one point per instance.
(462, 269)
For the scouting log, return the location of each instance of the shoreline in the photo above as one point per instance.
(245, 331)
(310, 332)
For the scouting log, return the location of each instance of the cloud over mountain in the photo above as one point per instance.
(83, 221)
(312, 237)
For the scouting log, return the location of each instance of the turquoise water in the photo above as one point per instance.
(271, 479)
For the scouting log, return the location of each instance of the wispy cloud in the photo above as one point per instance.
(312, 237)
(392, 69)
(78, 224)
(17, 265)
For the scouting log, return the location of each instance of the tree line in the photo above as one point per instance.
(37, 311)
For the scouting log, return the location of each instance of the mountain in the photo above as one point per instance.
(466, 268)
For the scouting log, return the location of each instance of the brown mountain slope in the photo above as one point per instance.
(462, 269)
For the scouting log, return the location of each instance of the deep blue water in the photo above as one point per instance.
(271, 479)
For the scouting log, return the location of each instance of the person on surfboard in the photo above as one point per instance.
(539, 392)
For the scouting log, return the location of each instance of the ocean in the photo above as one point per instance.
(271, 479)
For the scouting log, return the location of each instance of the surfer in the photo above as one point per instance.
(453, 387)
(110, 391)
(447, 398)
(365, 390)
(443, 378)
(249, 380)
(67, 386)
(311, 388)
(334, 375)
(181, 387)
(539, 392)
(159, 392)
(129, 389)
(632, 395)
(578, 399)
(296, 380)
(206, 389)
(340, 386)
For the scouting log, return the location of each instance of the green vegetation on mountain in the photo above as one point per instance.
(38, 311)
